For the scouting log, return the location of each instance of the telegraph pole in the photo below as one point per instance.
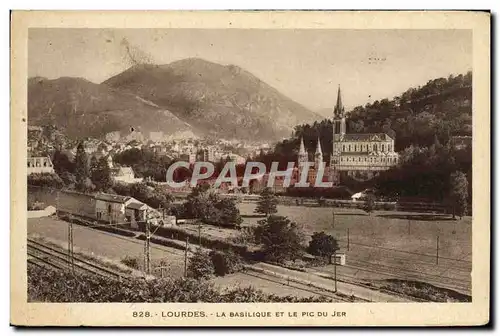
(347, 239)
(147, 249)
(335, 268)
(437, 250)
(199, 233)
(71, 259)
(186, 257)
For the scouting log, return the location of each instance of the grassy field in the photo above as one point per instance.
(386, 245)
(412, 232)
(101, 243)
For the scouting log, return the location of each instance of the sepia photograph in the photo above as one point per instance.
(251, 165)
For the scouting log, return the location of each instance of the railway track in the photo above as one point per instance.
(404, 274)
(43, 254)
(294, 285)
(393, 272)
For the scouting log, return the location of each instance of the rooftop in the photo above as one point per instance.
(364, 137)
(137, 205)
(112, 198)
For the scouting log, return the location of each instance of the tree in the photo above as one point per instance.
(459, 193)
(267, 203)
(81, 168)
(206, 204)
(323, 245)
(226, 262)
(200, 266)
(101, 175)
(45, 180)
(62, 163)
(281, 238)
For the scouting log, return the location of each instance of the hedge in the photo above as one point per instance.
(211, 243)
(102, 227)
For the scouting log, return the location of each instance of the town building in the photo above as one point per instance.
(359, 155)
(39, 165)
(124, 174)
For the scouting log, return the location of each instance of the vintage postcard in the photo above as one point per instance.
(250, 168)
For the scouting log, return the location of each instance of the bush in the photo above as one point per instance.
(68, 287)
(132, 262)
(97, 226)
(226, 262)
(212, 243)
(322, 245)
(205, 204)
(164, 241)
(45, 180)
(200, 266)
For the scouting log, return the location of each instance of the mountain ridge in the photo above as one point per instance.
(206, 98)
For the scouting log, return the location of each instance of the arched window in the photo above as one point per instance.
(349, 148)
(389, 148)
(383, 147)
(343, 148)
(375, 147)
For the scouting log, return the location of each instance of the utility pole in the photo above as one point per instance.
(335, 268)
(186, 257)
(347, 239)
(71, 259)
(437, 250)
(333, 218)
(147, 249)
(199, 233)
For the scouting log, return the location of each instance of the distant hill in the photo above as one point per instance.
(81, 108)
(224, 101)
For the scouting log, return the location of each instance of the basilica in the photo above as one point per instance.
(358, 155)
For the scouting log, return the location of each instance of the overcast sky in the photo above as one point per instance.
(305, 65)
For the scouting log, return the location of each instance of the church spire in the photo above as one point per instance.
(318, 156)
(302, 149)
(338, 110)
(318, 147)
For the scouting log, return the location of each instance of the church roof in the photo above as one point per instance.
(363, 137)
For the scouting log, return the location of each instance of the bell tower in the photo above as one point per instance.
(339, 130)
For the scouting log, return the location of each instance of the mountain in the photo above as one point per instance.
(81, 108)
(224, 101)
(325, 112)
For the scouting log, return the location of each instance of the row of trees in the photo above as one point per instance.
(82, 173)
(205, 204)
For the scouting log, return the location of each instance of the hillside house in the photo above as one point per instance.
(124, 174)
(40, 165)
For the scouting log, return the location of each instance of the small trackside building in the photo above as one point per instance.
(113, 209)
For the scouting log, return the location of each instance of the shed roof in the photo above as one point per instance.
(112, 198)
(137, 205)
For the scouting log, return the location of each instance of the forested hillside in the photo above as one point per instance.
(422, 120)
